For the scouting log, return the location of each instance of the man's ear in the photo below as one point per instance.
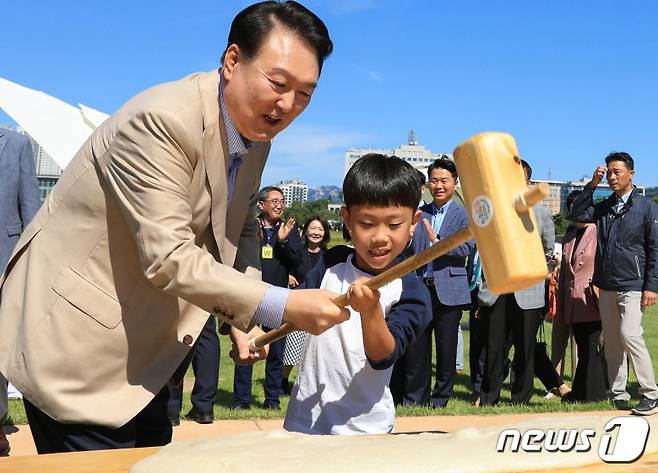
(260, 205)
(231, 60)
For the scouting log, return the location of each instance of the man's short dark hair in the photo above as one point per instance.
(252, 25)
(421, 178)
(379, 180)
(620, 156)
(570, 199)
(265, 192)
(526, 168)
(443, 163)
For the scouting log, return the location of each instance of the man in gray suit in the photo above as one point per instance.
(516, 315)
(19, 201)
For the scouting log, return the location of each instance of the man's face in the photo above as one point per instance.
(619, 177)
(273, 206)
(379, 234)
(441, 185)
(267, 92)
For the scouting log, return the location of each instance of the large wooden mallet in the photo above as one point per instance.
(505, 231)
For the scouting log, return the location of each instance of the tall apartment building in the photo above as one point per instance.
(294, 190)
(45, 165)
(415, 154)
(47, 170)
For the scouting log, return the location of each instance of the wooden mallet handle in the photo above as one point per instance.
(410, 264)
(531, 196)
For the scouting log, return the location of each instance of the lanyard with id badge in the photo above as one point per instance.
(266, 251)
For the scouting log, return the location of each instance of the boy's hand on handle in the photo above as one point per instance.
(363, 299)
(240, 352)
(313, 310)
(598, 175)
(285, 228)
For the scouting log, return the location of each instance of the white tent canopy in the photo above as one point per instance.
(58, 127)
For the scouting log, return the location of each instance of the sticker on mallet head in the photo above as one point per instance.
(482, 211)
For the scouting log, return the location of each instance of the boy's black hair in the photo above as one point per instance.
(379, 180)
(620, 156)
(443, 163)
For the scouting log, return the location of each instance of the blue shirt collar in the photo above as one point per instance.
(442, 209)
(237, 145)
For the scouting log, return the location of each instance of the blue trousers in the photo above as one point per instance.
(205, 364)
(273, 377)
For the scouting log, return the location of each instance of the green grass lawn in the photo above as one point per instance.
(459, 405)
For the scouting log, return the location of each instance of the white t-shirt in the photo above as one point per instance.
(337, 391)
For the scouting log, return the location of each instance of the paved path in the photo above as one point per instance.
(22, 444)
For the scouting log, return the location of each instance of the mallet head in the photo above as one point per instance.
(504, 228)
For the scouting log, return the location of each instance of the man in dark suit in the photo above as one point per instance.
(19, 201)
(280, 255)
(515, 318)
(448, 285)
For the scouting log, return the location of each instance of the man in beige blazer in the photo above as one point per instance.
(150, 228)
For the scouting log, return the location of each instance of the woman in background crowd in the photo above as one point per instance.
(578, 306)
(315, 234)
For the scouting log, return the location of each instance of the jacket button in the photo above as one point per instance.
(217, 309)
(187, 340)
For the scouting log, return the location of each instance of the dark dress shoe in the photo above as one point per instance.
(241, 407)
(272, 406)
(200, 417)
(174, 421)
(4, 444)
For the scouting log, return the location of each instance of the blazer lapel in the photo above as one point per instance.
(215, 156)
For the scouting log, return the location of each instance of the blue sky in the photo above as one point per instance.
(571, 80)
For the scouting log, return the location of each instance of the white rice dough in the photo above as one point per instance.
(465, 450)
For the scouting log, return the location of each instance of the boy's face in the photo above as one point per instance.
(379, 234)
(441, 185)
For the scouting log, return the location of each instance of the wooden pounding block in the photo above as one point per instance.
(508, 240)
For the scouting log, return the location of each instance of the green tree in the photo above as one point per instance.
(561, 222)
(301, 211)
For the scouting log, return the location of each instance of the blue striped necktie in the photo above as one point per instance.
(232, 174)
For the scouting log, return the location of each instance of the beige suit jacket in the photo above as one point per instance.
(110, 285)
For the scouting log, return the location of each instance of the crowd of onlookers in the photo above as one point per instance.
(602, 275)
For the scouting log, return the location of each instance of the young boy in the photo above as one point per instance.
(342, 385)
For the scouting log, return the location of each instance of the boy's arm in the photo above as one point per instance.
(378, 341)
(406, 320)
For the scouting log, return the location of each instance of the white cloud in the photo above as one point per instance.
(371, 74)
(313, 154)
